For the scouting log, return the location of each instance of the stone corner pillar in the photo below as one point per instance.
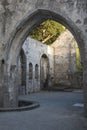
(10, 88)
(85, 91)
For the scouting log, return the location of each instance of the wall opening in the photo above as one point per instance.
(22, 73)
(30, 71)
(44, 71)
(36, 72)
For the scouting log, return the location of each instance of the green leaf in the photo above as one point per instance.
(48, 28)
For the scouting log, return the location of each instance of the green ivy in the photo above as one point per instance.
(79, 67)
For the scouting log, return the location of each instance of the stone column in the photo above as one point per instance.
(85, 85)
(27, 76)
(1, 82)
(84, 61)
(11, 88)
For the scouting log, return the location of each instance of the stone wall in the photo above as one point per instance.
(34, 50)
(60, 68)
(65, 58)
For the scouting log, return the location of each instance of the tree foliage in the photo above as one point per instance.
(79, 67)
(47, 32)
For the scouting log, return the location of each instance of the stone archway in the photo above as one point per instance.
(44, 71)
(22, 31)
(28, 24)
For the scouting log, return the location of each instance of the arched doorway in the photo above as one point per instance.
(25, 27)
(22, 73)
(30, 71)
(36, 72)
(44, 71)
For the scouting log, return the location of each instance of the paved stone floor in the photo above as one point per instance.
(57, 111)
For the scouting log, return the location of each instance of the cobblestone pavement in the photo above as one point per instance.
(57, 111)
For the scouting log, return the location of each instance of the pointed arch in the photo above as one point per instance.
(36, 72)
(30, 71)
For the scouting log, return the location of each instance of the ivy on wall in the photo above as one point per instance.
(79, 67)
